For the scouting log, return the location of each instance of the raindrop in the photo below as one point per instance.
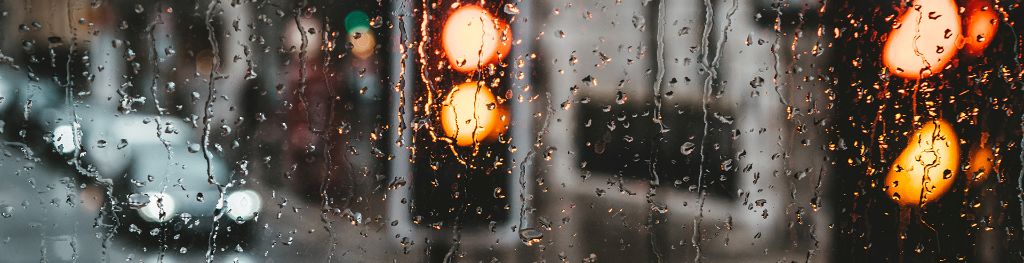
(511, 9)
(727, 165)
(185, 217)
(194, 148)
(756, 82)
(530, 236)
(659, 208)
(687, 148)
(6, 211)
(620, 98)
(137, 200)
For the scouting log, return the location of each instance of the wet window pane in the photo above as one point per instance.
(521, 131)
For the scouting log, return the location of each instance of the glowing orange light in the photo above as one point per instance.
(472, 38)
(469, 114)
(923, 40)
(981, 25)
(926, 169)
(502, 126)
(982, 162)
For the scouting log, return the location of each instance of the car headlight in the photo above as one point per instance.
(159, 209)
(64, 138)
(243, 205)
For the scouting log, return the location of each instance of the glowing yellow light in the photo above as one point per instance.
(362, 41)
(982, 162)
(923, 40)
(469, 114)
(981, 25)
(472, 38)
(926, 169)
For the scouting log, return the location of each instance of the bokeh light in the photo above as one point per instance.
(982, 23)
(360, 36)
(923, 40)
(469, 114)
(472, 38)
(926, 169)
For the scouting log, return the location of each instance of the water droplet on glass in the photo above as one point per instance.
(620, 97)
(6, 211)
(530, 236)
(756, 82)
(687, 148)
(511, 9)
(137, 200)
(185, 217)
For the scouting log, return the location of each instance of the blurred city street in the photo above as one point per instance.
(511, 131)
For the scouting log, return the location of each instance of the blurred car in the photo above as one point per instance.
(165, 190)
(170, 194)
(38, 108)
(160, 179)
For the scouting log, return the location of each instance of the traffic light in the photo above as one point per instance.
(460, 152)
(453, 157)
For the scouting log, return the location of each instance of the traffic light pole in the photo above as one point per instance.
(404, 77)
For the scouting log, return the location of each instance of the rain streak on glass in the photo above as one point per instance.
(510, 130)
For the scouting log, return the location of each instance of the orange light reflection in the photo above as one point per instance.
(926, 169)
(473, 38)
(982, 23)
(469, 113)
(924, 39)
